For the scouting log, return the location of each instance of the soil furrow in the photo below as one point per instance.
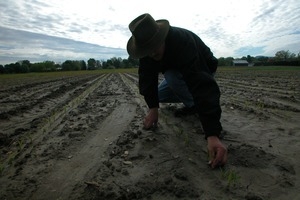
(88, 142)
(65, 174)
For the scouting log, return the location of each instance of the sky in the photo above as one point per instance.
(59, 30)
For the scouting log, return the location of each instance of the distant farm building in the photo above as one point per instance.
(240, 63)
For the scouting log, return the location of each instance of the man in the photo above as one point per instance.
(188, 66)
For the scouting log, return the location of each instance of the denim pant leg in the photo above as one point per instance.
(173, 89)
(165, 94)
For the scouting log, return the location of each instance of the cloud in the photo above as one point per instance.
(271, 26)
(22, 45)
(250, 50)
(230, 28)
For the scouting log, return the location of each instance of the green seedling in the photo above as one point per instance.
(230, 176)
(260, 104)
(247, 104)
(21, 144)
(178, 131)
(186, 139)
(1, 168)
(30, 138)
(65, 109)
(12, 157)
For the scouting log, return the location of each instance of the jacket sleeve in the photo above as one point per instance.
(202, 85)
(206, 96)
(211, 61)
(148, 84)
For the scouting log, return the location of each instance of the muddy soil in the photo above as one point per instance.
(81, 137)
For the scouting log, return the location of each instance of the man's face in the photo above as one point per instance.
(158, 53)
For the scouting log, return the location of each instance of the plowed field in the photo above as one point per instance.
(80, 136)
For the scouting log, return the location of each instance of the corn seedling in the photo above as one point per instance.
(178, 131)
(65, 109)
(247, 104)
(11, 157)
(230, 176)
(186, 139)
(30, 138)
(21, 144)
(260, 104)
(1, 168)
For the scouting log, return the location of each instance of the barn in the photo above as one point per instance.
(240, 63)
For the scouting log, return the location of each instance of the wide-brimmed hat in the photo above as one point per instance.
(147, 35)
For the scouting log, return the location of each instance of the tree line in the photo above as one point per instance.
(282, 58)
(25, 66)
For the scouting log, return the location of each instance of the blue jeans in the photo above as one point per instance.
(173, 89)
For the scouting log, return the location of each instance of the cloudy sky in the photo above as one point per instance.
(58, 30)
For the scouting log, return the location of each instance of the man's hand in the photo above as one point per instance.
(151, 119)
(217, 152)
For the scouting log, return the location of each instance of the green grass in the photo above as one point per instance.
(65, 73)
(50, 75)
(127, 70)
(15, 79)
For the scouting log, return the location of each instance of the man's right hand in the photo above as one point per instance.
(217, 152)
(151, 119)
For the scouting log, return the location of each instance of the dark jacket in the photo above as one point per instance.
(186, 52)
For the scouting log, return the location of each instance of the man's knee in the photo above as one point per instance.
(173, 77)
